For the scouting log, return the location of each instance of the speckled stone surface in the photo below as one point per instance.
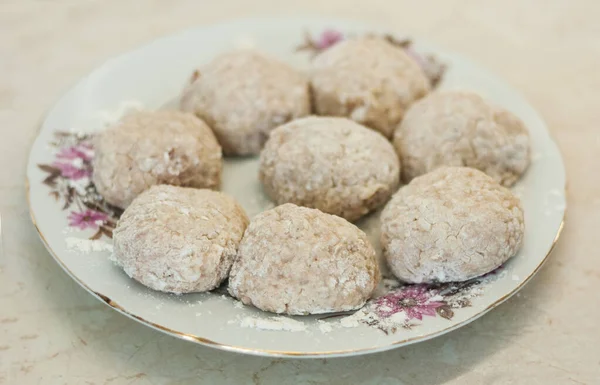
(53, 332)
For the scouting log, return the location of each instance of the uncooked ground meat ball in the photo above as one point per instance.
(452, 224)
(243, 95)
(332, 164)
(455, 128)
(297, 260)
(367, 80)
(155, 147)
(179, 240)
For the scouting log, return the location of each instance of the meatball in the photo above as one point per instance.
(331, 164)
(179, 240)
(455, 128)
(243, 95)
(297, 260)
(452, 224)
(155, 147)
(367, 80)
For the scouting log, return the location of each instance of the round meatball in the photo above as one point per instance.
(456, 128)
(297, 260)
(367, 80)
(452, 224)
(243, 95)
(331, 164)
(179, 240)
(155, 147)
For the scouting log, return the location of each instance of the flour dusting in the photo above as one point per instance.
(325, 327)
(273, 323)
(87, 245)
(126, 107)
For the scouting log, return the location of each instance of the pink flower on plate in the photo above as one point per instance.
(328, 38)
(86, 219)
(81, 151)
(71, 170)
(74, 161)
(415, 301)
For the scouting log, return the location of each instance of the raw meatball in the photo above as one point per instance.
(243, 95)
(155, 147)
(461, 129)
(332, 164)
(367, 80)
(452, 224)
(297, 260)
(179, 240)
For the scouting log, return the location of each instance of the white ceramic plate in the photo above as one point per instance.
(153, 75)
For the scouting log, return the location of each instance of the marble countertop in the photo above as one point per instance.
(53, 332)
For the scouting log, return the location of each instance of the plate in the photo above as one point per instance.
(76, 225)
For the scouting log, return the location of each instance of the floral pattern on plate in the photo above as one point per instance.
(407, 306)
(69, 179)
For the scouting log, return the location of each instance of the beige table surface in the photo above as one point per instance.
(53, 332)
